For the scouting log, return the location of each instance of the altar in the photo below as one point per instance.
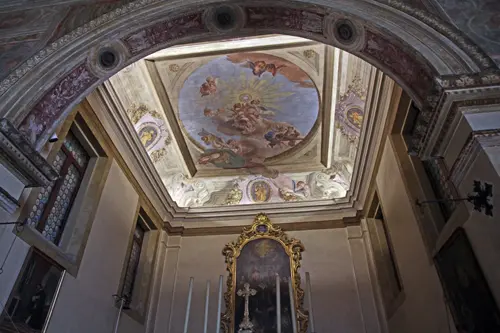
(263, 291)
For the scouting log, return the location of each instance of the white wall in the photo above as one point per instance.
(328, 257)
(423, 309)
(483, 231)
(11, 258)
(85, 303)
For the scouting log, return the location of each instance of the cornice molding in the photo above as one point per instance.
(8, 202)
(19, 157)
(441, 127)
(470, 151)
(236, 229)
(127, 145)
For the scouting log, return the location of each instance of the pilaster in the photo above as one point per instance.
(372, 269)
(156, 283)
(166, 302)
(366, 294)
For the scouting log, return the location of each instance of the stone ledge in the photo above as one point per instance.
(20, 158)
(8, 202)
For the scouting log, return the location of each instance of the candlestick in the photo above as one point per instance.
(278, 304)
(117, 323)
(207, 296)
(219, 304)
(309, 300)
(292, 306)
(188, 306)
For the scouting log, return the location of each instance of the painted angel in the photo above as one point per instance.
(282, 134)
(209, 87)
(259, 67)
(228, 159)
(212, 140)
(291, 190)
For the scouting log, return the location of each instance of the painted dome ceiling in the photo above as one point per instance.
(251, 121)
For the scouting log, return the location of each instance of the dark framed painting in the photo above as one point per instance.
(31, 300)
(261, 251)
(470, 299)
(258, 263)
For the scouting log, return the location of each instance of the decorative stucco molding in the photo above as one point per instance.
(470, 150)
(19, 157)
(439, 129)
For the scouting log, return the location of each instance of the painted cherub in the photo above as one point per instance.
(209, 87)
(282, 134)
(259, 67)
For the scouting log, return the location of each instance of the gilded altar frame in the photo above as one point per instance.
(263, 228)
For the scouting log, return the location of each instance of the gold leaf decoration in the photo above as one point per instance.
(234, 197)
(136, 112)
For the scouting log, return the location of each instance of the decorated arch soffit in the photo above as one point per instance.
(420, 52)
(255, 121)
(262, 238)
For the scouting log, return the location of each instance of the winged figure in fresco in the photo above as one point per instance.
(291, 190)
(259, 67)
(244, 118)
(212, 140)
(235, 154)
(282, 134)
(209, 87)
(247, 148)
(228, 159)
(261, 63)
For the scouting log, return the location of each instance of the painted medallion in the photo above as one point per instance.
(149, 135)
(259, 191)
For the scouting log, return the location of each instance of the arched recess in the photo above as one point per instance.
(418, 52)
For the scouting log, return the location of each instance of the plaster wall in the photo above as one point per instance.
(483, 230)
(11, 258)
(423, 308)
(336, 259)
(85, 303)
(13, 251)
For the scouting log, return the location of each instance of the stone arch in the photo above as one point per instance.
(418, 52)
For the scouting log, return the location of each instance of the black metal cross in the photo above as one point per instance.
(480, 198)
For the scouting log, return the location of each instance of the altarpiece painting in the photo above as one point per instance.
(260, 252)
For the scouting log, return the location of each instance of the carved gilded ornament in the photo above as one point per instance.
(234, 197)
(263, 228)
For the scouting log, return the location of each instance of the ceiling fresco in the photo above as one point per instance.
(243, 108)
(247, 125)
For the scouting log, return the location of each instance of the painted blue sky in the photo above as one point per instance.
(291, 103)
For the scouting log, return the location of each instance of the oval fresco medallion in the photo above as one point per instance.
(253, 104)
(149, 134)
(355, 117)
(259, 191)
